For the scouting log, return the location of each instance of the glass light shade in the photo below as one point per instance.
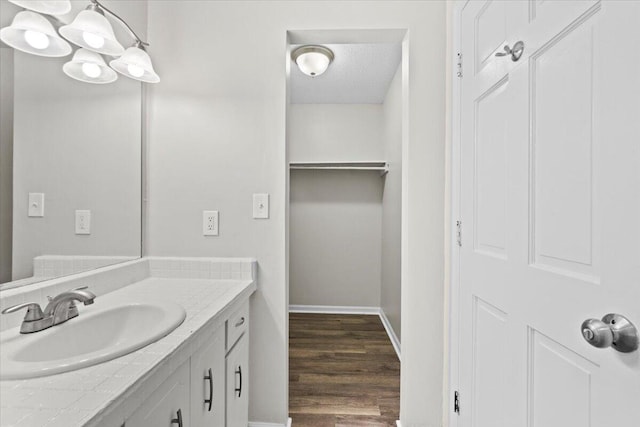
(33, 33)
(48, 7)
(89, 67)
(92, 31)
(135, 63)
(312, 60)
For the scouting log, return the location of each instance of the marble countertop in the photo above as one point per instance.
(109, 392)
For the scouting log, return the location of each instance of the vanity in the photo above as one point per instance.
(196, 374)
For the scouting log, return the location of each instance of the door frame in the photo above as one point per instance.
(455, 168)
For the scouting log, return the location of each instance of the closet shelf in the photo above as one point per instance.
(379, 166)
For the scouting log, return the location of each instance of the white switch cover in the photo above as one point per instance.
(210, 223)
(83, 222)
(36, 204)
(261, 206)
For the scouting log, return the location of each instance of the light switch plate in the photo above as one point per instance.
(210, 224)
(261, 206)
(36, 205)
(83, 222)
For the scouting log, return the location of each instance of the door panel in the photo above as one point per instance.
(489, 375)
(491, 171)
(563, 178)
(560, 384)
(549, 204)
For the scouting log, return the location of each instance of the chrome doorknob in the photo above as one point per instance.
(614, 330)
(515, 53)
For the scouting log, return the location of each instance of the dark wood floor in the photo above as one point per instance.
(343, 371)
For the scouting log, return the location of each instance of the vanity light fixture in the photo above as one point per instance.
(312, 60)
(89, 67)
(135, 63)
(91, 30)
(48, 7)
(32, 33)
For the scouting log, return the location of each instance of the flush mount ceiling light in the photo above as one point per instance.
(91, 30)
(89, 67)
(33, 33)
(312, 60)
(135, 63)
(48, 7)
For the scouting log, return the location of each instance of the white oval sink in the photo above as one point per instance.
(95, 336)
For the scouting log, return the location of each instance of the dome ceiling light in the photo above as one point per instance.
(312, 60)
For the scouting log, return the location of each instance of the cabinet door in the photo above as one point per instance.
(207, 383)
(164, 404)
(238, 384)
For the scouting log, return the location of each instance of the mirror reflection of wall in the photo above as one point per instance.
(79, 145)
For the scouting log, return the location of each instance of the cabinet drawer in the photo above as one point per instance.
(237, 324)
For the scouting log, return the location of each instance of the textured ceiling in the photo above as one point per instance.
(359, 74)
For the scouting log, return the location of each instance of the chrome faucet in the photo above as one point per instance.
(60, 309)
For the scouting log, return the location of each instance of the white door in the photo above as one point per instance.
(550, 211)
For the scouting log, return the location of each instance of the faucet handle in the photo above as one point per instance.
(34, 312)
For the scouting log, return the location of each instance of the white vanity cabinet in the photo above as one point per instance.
(210, 389)
(238, 368)
(168, 405)
(208, 383)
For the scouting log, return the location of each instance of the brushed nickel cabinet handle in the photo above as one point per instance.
(240, 322)
(178, 420)
(210, 399)
(239, 390)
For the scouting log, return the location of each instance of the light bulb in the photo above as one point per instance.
(91, 70)
(36, 39)
(135, 70)
(93, 40)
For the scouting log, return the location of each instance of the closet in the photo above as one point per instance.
(344, 141)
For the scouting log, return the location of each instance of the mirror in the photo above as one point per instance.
(70, 164)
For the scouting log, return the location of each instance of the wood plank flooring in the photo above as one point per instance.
(343, 371)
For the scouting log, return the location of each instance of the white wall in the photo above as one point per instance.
(390, 292)
(216, 134)
(6, 161)
(80, 144)
(335, 240)
(335, 132)
(335, 216)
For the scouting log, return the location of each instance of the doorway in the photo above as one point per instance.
(344, 138)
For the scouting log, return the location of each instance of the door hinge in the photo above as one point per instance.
(459, 65)
(459, 232)
(456, 402)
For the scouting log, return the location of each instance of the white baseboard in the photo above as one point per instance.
(332, 309)
(390, 332)
(259, 424)
(398, 423)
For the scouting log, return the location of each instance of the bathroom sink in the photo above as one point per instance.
(98, 334)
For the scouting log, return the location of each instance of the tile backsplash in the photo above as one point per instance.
(62, 265)
(203, 268)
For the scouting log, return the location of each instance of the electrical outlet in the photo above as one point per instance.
(210, 223)
(83, 222)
